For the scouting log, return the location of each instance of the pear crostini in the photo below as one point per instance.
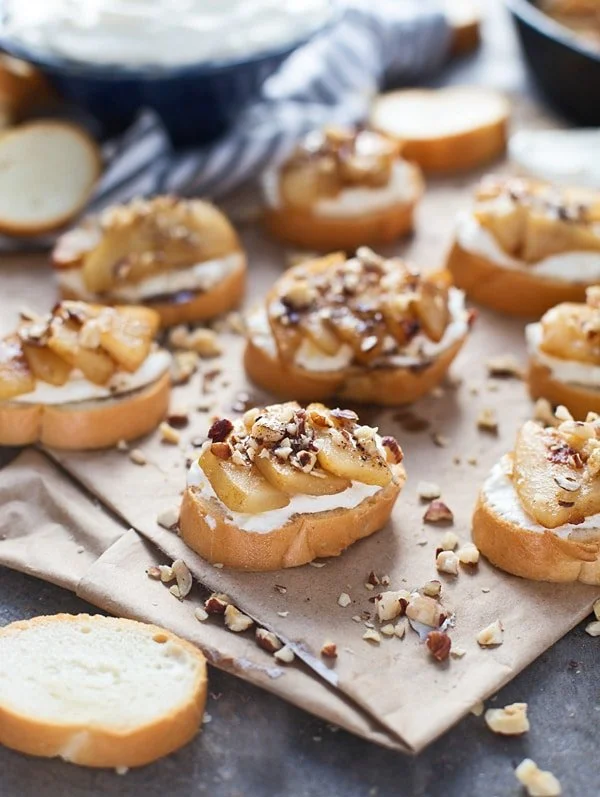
(83, 376)
(527, 245)
(564, 356)
(365, 329)
(342, 188)
(538, 512)
(181, 257)
(284, 485)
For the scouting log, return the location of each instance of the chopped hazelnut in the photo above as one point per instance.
(439, 644)
(204, 342)
(200, 614)
(508, 721)
(424, 610)
(539, 783)
(468, 554)
(236, 620)
(371, 635)
(477, 709)
(504, 365)
(593, 628)
(458, 653)
(166, 573)
(184, 366)
(391, 604)
(438, 512)
(183, 576)
(344, 600)
(447, 562)
(428, 491)
(400, 628)
(388, 630)
(329, 650)
(432, 589)
(267, 640)
(168, 434)
(491, 635)
(596, 609)
(448, 542)
(178, 418)
(168, 518)
(153, 572)
(122, 445)
(439, 440)
(543, 413)
(285, 655)
(137, 457)
(217, 603)
(487, 420)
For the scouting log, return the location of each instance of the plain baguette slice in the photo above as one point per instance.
(49, 170)
(98, 691)
(444, 130)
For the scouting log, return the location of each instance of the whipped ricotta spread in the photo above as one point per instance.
(165, 33)
(421, 348)
(402, 187)
(570, 371)
(501, 495)
(265, 522)
(78, 388)
(199, 277)
(578, 267)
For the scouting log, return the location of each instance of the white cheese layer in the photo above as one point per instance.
(500, 494)
(200, 277)
(78, 388)
(402, 188)
(265, 522)
(574, 267)
(569, 371)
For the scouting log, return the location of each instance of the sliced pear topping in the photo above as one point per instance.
(241, 488)
(551, 478)
(64, 341)
(340, 455)
(46, 365)
(291, 480)
(129, 335)
(572, 332)
(15, 376)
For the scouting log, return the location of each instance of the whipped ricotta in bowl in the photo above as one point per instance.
(578, 266)
(570, 371)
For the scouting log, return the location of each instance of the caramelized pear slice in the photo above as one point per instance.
(546, 236)
(431, 308)
(15, 375)
(240, 488)
(340, 456)
(46, 365)
(565, 332)
(129, 336)
(506, 223)
(321, 336)
(302, 185)
(290, 480)
(551, 489)
(95, 364)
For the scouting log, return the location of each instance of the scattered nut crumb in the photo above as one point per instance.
(437, 392)
(391, 604)
(329, 650)
(203, 342)
(472, 461)
(166, 573)
(539, 783)
(468, 554)
(122, 445)
(388, 630)
(283, 614)
(447, 562)
(174, 590)
(317, 564)
(439, 644)
(400, 628)
(438, 512)
(544, 413)
(493, 634)
(504, 366)
(370, 587)
(153, 572)
(168, 518)
(236, 620)
(440, 440)
(432, 589)
(424, 610)
(508, 721)
(178, 418)
(137, 457)
(458, 653)
(593, 628)
(448, 542)
(344, 600)
(282, 590)
(285, 655)
(371, 635)
(183, 577)
(373, 579)
(428, 491)
(487, 420)
(200, 614)
(596, 609)
(267, 640)
(477, 709)
(217, 603)
(168, 434)
(386, 581)
(184, 365)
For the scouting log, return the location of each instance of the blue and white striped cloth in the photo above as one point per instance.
(332, 79)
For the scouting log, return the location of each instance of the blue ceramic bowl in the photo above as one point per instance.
(196, 102)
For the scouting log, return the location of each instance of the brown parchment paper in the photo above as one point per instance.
(71, 540)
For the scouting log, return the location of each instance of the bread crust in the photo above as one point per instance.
(516, 292)
(99, 423)
(388, 387)
(536, 555)
(324, 233)
(466, 37)
(579, 400)
(26, 230)
(105, 746)
(455, 152)
(203, 305)
(303, 538)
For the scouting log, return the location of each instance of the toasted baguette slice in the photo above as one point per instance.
(444, 130)
(22, 86)
(535, 553)
(98, 691)
(49, 172)
(579, 400)
(100, 423)
(518, 292)
(465, 18)
(207, 529)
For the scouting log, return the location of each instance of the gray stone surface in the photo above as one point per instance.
(258, 746)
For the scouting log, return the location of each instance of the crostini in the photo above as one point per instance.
(83, 376)
(564, 356)
(527, 245)
(366, 329)
(340, 189)
(181, 257)
(538, 512)
(284, 485)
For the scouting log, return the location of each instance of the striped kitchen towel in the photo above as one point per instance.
(329, 80)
